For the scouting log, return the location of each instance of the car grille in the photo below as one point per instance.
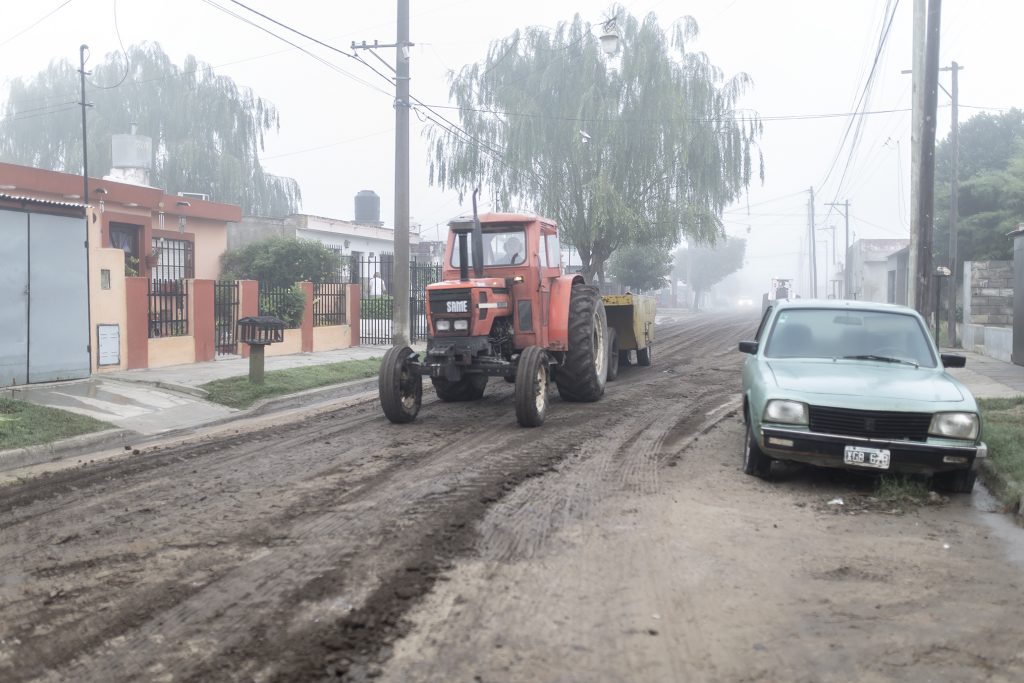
(439, 300)
(870, 424)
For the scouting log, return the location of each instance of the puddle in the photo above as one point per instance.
(1001, 524)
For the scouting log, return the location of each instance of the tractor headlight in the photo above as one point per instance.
(462, 324)
(442, 325)
(954, 425)
(788, 412)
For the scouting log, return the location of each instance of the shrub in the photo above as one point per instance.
(376, 307)
(286, 304)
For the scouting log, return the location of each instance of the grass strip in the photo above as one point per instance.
(237, 392)
(900, 490)
(1003, 420)
(25, 424)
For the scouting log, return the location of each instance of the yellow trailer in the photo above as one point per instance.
(630, 327)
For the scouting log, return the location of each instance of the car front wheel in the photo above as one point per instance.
(755, 462)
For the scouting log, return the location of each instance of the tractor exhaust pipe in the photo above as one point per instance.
(478, 242)
(463, 258)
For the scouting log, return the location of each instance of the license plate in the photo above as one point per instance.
(861, 456)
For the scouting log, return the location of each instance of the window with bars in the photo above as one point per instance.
(175, 259)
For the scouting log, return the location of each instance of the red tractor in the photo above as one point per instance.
(518, 317)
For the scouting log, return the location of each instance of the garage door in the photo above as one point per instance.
(44, 298)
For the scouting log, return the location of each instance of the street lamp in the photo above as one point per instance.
(609, 37)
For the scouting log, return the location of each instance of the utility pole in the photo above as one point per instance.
(811, 245)
(400, 293)
(846, 252)
(917, 125)
(954, 208)
(85, 147)
(924, 209)
(400, 329)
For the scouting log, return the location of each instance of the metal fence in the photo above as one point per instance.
(376, 309)
(328, 303)
(168, 308)
(225, 311)
(285, 303)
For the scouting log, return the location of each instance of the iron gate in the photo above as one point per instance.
(225, 312)
(376, 309)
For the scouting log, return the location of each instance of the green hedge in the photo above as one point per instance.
(376, 307)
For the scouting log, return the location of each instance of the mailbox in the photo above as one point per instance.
(257, 331)
(260, 330)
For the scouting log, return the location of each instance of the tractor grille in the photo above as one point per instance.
(870, 424)
(445, 301)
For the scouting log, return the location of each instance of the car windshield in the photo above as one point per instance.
(844, 333)
(501, 248)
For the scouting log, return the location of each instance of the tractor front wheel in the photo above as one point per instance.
(531, 393)
(400, 388)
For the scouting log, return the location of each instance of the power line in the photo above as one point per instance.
(37, 22)
(330, 65)
(864, 94)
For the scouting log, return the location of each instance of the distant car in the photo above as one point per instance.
(744, 303)
(860, 386)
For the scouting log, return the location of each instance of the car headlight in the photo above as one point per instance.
(462, 324)
(789, 412)
(443, 325)
(954, 425)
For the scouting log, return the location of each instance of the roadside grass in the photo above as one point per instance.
(237, 392)
(898, 491)
(24, 424)
(1003, 420)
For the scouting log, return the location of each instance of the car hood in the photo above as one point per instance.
(864, 378)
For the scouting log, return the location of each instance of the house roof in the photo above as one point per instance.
(23, 200)
(39, 181)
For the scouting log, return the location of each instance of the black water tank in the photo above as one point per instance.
(367, 207)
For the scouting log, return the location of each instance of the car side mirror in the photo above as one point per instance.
(748, 346)
(953, 360)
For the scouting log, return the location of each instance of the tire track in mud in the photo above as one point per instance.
(304, 545)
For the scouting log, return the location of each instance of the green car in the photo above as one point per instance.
(857, 385)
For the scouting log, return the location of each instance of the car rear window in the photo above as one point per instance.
(840, 333)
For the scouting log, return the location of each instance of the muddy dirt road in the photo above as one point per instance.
(620, 542)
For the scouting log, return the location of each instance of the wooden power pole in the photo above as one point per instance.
(954, 208)
(924, 210)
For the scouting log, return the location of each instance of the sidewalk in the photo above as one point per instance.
(987, 377)
(158, 400)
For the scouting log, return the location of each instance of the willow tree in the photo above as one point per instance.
(640, 149)
(207, 131)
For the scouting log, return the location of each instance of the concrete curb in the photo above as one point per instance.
(310, 396)
(1003, 489)
(98, 441)
(58, 450)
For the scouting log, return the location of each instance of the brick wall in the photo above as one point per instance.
(991, 293)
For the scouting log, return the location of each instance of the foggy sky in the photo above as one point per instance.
(806, 57)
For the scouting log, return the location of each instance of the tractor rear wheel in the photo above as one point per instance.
(469, 388)
(582, 376)
(531, 393)
(400, 388)
(613, 354)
